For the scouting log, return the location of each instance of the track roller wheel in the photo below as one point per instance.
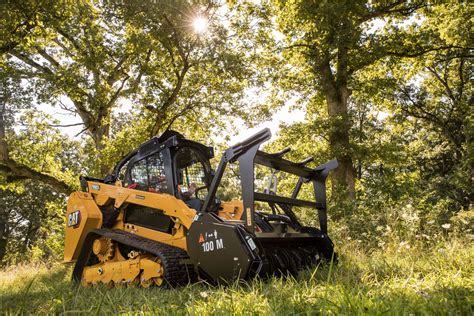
(86, 284)
(133, 283)
(146, 283)
(158, 281)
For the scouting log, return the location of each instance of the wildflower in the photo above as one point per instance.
(446, 226)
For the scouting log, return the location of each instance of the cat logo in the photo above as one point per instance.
(74, 219)
(201, 239)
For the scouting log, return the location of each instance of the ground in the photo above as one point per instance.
(396, 280)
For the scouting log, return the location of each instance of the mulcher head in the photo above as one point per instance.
(259, 243)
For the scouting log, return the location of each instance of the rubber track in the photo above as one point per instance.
(176, 272)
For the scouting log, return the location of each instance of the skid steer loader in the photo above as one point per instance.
(140, 226)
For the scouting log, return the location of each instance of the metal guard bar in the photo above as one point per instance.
(289, 201)
(247, 154)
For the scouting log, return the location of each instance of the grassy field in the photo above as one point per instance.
(396, 281)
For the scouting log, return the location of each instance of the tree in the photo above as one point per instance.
(30, 217)
(436, 95)
(101, 55)
(83, 56)
(328, 43)
(13, 99)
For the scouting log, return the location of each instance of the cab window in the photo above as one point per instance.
(148, 174)
(191, 170)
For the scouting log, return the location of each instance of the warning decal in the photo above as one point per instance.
(210, 241)
(249, 217)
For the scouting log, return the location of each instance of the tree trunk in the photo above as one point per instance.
(343, 176)
(3, 143)
(100, 136)
(337, 95)
(3, 245)
(3, 235)
(99, 131)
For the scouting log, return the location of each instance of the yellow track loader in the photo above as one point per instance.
(156, 219)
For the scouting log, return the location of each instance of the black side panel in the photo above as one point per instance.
(225, 252)
(109, 215)
(149, 218)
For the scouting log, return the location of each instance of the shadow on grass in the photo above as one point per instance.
(29, 292)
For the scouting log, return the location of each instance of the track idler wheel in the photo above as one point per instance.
(153, 273)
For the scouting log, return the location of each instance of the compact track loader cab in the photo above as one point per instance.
(156, 219)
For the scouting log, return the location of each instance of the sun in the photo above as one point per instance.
(200, 24)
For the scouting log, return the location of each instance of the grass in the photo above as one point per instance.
(394, 282)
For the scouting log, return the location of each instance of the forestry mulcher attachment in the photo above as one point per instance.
(156, 219)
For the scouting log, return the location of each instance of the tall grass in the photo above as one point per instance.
(396, 281)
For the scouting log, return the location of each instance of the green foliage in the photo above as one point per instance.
(32, 224)
(45, 149)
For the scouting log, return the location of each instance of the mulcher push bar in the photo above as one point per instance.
(247, 154)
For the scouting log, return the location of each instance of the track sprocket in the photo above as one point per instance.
(104, 249)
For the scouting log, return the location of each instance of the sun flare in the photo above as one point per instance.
(200, 24)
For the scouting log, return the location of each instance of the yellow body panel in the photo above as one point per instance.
(82, 216)
(231, 210)
(119, 269)
(169, 204)
(176, 239)
(123, 270)
(88, 205)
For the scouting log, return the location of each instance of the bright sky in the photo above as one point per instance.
(284, 115)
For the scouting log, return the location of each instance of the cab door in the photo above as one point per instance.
(191, 167)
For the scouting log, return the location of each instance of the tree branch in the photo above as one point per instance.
(58, 125)
(32, 63)
(113, 74)
(418, 53)
(16, 171)
(444, 82)
(135, 82)
(117, 92)
(391, 9)
(48, 57)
